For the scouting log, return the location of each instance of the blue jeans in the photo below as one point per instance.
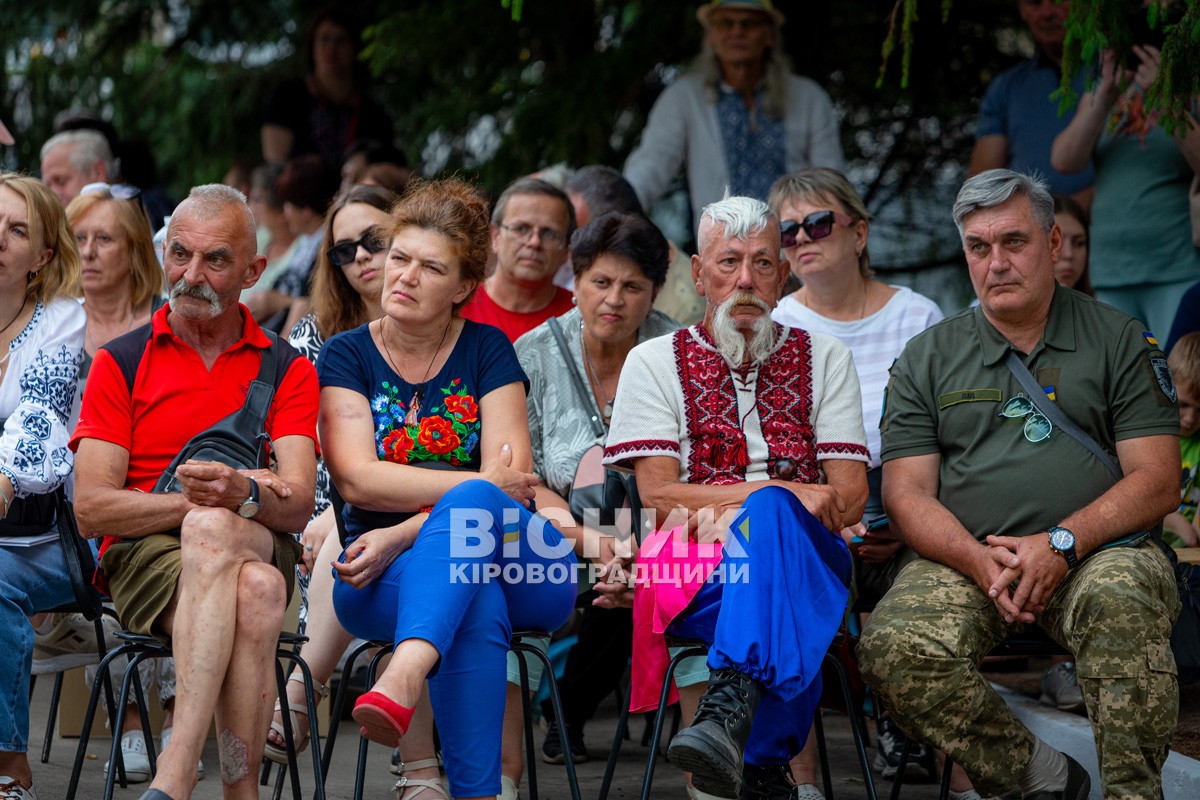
(32, 579)
(439, 590)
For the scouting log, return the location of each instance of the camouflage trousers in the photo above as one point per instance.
(921, 648)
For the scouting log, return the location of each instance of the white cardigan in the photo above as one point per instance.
(682, 126)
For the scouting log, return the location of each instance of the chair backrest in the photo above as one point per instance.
(77, 553)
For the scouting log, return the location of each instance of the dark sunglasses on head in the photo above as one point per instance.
(817, 225)
(343, 253)
(117, 191)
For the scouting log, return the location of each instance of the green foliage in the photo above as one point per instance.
(1092, 26)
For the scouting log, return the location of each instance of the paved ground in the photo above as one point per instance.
(52, 778)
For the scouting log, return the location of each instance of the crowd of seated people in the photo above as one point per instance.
(452, 373)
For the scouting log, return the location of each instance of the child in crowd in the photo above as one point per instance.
(1180, 526)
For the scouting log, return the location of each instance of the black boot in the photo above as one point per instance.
(711, 749)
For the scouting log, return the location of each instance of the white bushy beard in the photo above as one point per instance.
(732, 341)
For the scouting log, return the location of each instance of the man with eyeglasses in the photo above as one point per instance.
(531, 225)
(1017, 521)
(749, 433)
(739, 118)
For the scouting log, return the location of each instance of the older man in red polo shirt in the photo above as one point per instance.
(210, 567)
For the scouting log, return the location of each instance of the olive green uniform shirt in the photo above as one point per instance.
(946, 389)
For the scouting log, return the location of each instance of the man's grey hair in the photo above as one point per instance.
(211, 200)
(996, 187)
(739, 217)
(89, 147)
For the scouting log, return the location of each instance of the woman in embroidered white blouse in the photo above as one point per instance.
(41, 347)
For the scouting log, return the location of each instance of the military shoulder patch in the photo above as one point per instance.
(1162, 374)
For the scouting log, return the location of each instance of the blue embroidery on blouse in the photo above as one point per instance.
(51, 381)
(754, 153)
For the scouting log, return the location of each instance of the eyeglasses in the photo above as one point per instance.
(117, 191)
(817, 225)
(344, 253)
(1037, 428)
(521, 233)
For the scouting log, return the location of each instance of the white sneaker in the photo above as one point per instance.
(70, 643)
(11, 790)
(133, 754)
(165, 739)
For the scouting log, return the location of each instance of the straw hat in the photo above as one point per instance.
(765, 6)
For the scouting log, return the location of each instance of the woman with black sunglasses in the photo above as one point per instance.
(824, 227)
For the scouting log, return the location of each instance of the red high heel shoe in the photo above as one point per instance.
(383, 720)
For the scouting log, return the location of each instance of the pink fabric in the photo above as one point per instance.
(671, 569)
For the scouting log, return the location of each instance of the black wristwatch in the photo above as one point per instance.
(249, 506)
(1062, 541)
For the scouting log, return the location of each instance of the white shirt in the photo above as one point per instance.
(876, 341)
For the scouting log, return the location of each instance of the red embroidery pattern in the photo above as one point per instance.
(639, 447)
(784, 401)
(718, 453)
(843, 448)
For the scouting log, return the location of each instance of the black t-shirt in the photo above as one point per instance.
(319, 126)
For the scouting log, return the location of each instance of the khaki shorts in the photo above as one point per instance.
(142, 575)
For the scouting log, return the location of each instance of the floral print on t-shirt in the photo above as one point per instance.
(447, 431)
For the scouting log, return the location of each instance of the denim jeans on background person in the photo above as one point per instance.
(32, 579)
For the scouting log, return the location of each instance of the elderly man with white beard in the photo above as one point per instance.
(747, 440)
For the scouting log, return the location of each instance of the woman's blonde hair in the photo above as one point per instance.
(48, 228)
(146, 278)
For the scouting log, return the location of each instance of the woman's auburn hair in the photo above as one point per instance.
(457, 210)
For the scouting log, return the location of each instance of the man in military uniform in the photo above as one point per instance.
(1016, 522)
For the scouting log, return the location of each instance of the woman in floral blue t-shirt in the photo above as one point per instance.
(443, 562)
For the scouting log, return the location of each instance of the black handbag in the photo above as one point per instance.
(239, 440)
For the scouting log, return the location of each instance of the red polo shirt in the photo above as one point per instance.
(175, 397)
(483, 308)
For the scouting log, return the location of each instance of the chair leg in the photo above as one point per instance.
(947, 768)
(856, 727)
(339, 704)
(530, 755)
(822, 754)
(310, 700)
(360, 773)
(898, 780)
(115, 765)
(103, 683)
(611, 767)
(660, 716)
(556, 704)
(289, 735)
(55, 694)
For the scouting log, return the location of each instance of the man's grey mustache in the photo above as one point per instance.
(201, 292)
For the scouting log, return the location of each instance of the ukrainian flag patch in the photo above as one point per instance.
(1150, 340)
